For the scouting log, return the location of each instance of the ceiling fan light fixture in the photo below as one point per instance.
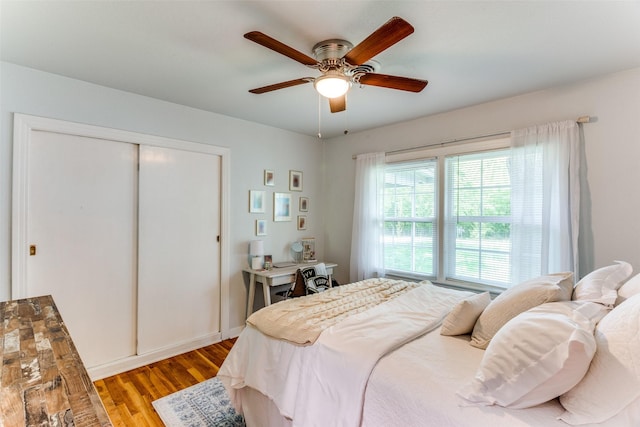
(332, 84)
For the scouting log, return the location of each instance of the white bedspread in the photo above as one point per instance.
(416, 387)
(324, 384)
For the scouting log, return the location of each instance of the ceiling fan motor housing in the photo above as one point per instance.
(331, 49)
(330, 56)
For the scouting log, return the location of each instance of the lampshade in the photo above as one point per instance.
(256, 248)
(332, 84)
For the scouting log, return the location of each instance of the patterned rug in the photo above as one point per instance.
(203, 405)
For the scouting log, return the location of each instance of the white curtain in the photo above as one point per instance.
(367, 255)
(545, 199)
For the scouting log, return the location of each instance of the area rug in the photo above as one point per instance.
(203, 405)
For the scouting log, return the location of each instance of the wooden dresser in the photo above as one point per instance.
(43, 381)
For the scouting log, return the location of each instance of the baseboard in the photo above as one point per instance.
(232, 333)
(132, 362)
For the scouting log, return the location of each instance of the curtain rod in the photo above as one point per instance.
(581, 119)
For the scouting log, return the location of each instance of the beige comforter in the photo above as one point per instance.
(301, 320)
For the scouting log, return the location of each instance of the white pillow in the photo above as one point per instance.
(463, 317)
(536, 356)
(629, 289)
(517, 299)
(611, 387)
(602, 284)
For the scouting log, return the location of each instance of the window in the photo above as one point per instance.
(447, 217)
(410, 215)
(477, 217)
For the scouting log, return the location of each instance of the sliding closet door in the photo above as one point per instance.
(179, 251)
(81, 226)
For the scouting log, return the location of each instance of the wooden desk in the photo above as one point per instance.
(276, 277)
(43, 379)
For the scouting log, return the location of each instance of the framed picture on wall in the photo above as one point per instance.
(303, 205)
(261, 227)
(295, 181)
(302, 222)
(269, 178)
(256, 201)
(281, 206)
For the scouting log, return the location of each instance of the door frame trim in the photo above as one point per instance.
(24, 125)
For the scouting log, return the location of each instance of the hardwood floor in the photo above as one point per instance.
(127, 397)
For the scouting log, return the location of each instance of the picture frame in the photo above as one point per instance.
(303, 204)
(295, 180)
(281, 207)
(256, 201)
(302, 222)
(268, 262)
(261, 227)
(308, 249)
(269, 178)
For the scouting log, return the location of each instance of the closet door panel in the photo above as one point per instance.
(81, 221)
(179, 258)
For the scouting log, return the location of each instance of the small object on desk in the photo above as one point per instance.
(256, 251)
(309, 249)
(296, 251)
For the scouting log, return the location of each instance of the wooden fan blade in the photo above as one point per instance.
(282, 85)
(338, 104)
(393, 82)
(394, 30)
(275, 45)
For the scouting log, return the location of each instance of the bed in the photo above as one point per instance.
(344, 374)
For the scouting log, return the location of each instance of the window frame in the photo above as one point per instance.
(439, 152)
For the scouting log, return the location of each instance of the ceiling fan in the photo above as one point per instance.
(342, 64)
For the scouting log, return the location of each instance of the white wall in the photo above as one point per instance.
(253, 147)
(610, 197)
(611, 163)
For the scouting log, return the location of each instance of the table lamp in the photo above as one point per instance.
(256, 251)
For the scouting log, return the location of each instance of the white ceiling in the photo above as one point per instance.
(193, 53)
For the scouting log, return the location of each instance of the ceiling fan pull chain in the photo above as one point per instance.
(346, 122)
(319, 116)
